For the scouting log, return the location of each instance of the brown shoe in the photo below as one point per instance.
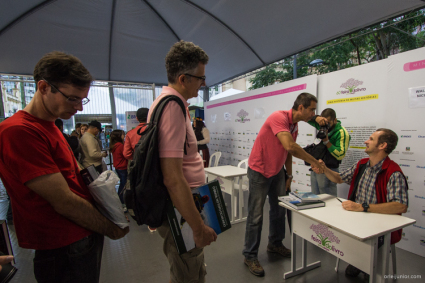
(254, 267)
(280, 250)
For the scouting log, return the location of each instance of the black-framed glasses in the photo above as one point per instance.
(203, 78)
(70, 99)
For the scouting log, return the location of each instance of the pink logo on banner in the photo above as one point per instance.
(267, 94)
(413, 66)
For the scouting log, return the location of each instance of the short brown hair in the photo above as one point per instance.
(60, 68)
(389, 137)
(329, 113)
(182, 58)
(304, 99)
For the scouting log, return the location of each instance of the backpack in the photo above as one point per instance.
(146, 199)
(320, 151)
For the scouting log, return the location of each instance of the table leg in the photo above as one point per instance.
(304, 267)
(383, 262)
(373, 260)
(240, 197)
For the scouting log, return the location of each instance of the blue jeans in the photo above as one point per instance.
(320, 184)
(122, 174)
(77, 262)
(259, 188)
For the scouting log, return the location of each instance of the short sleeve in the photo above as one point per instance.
(172, 131)
(397, 189)
(27, 153)
(347, 175)
(279, 122)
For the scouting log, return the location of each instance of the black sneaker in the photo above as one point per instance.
(352, 271)
(254, 267)
(280, 250)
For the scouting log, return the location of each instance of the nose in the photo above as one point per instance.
(79, 106)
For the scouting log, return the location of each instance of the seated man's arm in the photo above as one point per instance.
(397, 198)
(294, 149)
(181, 195)
(54, 189)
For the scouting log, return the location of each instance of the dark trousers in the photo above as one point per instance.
(77, 262)
(122, 174)
(259, 188)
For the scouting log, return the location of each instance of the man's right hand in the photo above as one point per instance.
(204, 237)
(319, 168)
(321, 121)
(118, 233)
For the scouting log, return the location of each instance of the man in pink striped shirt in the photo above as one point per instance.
(185, 64)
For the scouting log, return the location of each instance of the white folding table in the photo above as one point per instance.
(226, 176)
(350, 236)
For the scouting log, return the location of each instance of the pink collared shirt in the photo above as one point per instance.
(173, 130)
(268, 154)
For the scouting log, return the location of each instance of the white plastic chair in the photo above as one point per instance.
(245, 184)
(217, 156)
(393, 257)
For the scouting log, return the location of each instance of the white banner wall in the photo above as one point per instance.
(234, 123)
(357, 95)
(405, 114)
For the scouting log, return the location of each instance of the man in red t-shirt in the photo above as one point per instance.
(132, 137)
(273, 148)
(52, 207)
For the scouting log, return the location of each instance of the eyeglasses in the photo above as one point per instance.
(69, 99)
(203, 78)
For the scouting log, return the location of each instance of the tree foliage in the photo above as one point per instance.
(377, 42)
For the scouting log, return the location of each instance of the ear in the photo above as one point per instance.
(382, 146)
(181, 79)
(300, 108)
(42, 86)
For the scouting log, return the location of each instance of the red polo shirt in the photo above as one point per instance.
(268, 154)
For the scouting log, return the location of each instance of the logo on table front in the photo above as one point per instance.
(325, 238)
(351, 86)
(242, 114)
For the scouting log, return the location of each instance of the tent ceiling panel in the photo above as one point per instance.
(128, 40)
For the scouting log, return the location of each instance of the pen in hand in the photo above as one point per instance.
(339, 200)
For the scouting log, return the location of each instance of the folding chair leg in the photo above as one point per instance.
(337, 264)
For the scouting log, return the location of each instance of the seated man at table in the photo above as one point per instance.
(377, 183)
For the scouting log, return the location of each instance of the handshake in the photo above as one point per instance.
(321, 169)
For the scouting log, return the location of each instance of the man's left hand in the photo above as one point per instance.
(352, 206)
(288, 184)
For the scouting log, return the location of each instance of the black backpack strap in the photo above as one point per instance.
(362, 168)
(156, 115)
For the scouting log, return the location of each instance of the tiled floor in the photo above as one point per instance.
(138, 258)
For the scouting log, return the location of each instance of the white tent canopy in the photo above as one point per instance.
(128, 40)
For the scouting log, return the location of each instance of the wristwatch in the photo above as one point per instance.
(289, 176)
(365, 207)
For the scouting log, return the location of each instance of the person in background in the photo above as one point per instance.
(91, 153)
(377, 184)
(72, 140)
(120, 162)
(336, 141)
(132, 137)
(54, 212)
(83, 129)
(78, 128)
(203, 137)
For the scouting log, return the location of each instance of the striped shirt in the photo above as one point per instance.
(366, 192)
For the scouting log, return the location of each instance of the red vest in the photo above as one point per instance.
(388, 168)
